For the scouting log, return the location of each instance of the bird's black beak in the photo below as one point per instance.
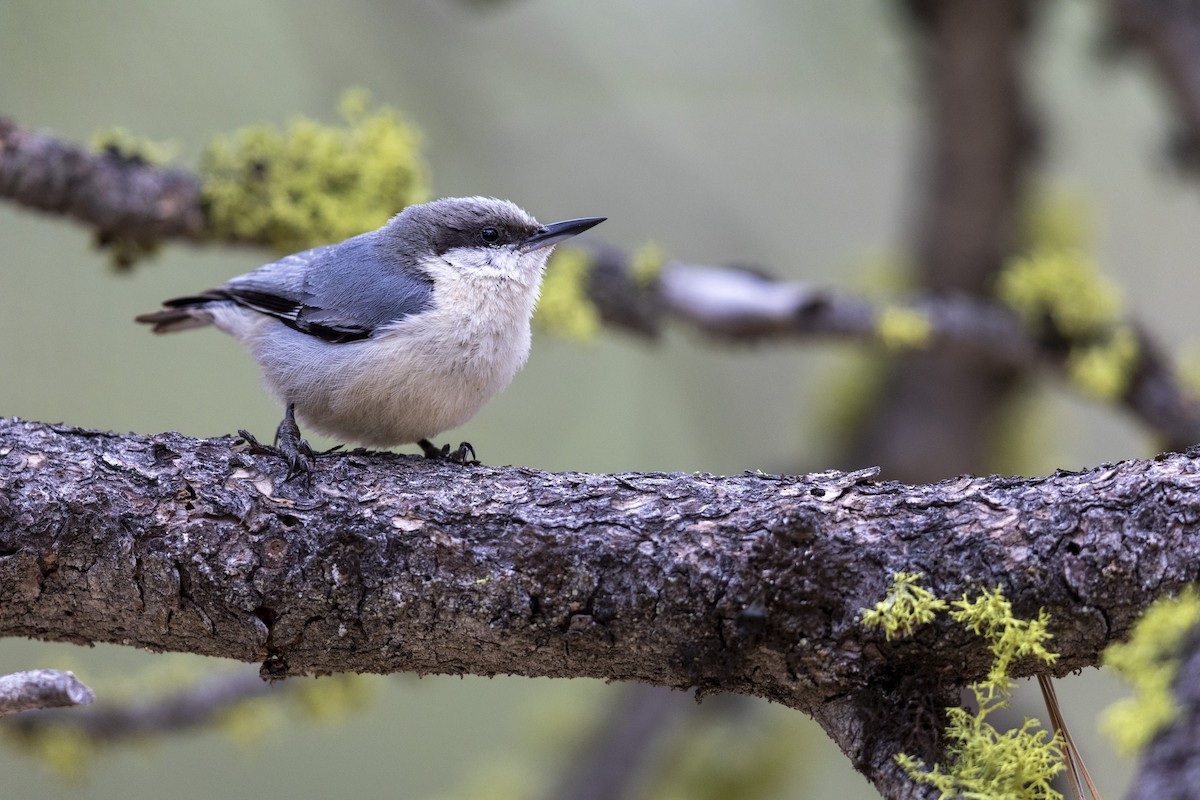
(552, 234)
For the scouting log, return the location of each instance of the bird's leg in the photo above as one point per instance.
(288, 444)
(295, 451)
(443, 453)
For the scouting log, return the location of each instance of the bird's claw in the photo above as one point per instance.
(294, 451)
(444, 453)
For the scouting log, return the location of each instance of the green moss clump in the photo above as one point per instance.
(981, 761)
(907, 606)
(1061, 295)
(1150, 661)
(990, 615)
(646, 264)
(124, 251)
(120, 143)
(1063, 287)
(1056, 219)
(313, 184)
(1103, 369)
(987, 764)
(565, 309)
(903, 328)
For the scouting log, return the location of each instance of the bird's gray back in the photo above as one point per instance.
(340, 292)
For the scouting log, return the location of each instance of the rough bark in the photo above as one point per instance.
(750, 584)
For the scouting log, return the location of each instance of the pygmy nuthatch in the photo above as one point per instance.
(392, 336)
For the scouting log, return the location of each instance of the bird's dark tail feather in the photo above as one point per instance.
(181, 314)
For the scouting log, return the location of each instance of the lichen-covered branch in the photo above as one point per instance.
(119, 197)
(130, 199)
(292, 189)
(751, 584)
(736, 305)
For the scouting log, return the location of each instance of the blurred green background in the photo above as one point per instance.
(780, 133)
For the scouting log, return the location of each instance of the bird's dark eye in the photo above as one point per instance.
(489, 235)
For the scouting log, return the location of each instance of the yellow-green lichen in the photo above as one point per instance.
(1060, 294)
(248, 725)
(313, 183)
(119, 143)
(646, 264)
(1149, 660)
(989, 764)
(565, 309)
(65, 751)
(990, 615)
(1103, 369)
(907, 605)
(981, 761)
(122, 144)
(1056, 219)
(903, 328)
(1064, 287)
(1188, 367)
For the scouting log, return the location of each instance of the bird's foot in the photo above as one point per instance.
(295, 451)
(443, 453)
(298, 455)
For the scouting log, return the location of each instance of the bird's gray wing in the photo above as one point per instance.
(340, 293)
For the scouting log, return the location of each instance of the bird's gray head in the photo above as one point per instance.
(478, 233)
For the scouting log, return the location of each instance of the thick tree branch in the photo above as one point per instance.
(750, 584)
(41, 688)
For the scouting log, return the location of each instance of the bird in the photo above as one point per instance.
(393, 336)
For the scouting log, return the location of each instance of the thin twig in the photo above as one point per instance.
(41, 688)
(192, 707)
